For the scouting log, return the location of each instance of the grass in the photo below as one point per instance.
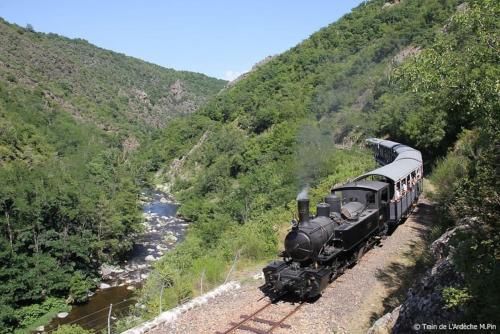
(43, 320)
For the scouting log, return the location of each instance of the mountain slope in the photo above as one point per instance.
(75, 123)
(100, 85)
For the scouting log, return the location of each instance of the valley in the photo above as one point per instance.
(84, 132)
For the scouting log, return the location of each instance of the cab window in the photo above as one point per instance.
(370, 198)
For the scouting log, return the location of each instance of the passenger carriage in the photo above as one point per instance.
(402, 168)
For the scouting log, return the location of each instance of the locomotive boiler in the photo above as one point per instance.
(350, 220)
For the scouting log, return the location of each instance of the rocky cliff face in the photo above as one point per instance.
(424, 304)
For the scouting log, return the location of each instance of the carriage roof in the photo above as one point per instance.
(383, 142)
(396, 170)
(410, 154)
(363, 184)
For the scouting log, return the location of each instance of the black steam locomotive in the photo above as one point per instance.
(352, 218)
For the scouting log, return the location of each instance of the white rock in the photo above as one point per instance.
(170, 239)
(62, 315)
(40, 328)
(150, 258)
(107, 269)
(144, 276)
(131, 287)
(258, 276)
(151, 250)
(104, 286)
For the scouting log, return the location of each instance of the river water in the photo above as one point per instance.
(163, 230)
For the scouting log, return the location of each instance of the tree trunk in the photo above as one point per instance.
(35, 239)
(9, 229)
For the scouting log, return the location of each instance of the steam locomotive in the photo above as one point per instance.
(352, 218)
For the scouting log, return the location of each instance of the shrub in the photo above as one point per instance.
(454, 297)
(71, 329)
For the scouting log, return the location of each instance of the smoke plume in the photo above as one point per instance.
(303, 193)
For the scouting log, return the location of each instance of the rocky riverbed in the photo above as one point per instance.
(162, 231)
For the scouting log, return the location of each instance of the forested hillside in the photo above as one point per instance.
(75, 121)
(451, 95)
(81, 128)
(405, 70)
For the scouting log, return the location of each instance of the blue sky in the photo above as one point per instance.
(218, 38)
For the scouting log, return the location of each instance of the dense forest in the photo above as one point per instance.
(421, 72)
(72, 157)
(74, 120)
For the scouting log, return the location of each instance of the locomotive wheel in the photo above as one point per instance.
(360, 254)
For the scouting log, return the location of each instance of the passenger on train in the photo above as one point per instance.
(397, 194)
(405, 188)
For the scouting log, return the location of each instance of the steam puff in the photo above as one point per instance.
(303, 193)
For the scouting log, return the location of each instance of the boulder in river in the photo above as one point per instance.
(150, 258)
(108, 270)
(103, 286)
(161, 247)
(131, 288)
(62, 315)
(170, 239)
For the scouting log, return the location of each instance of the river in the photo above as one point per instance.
(163, 230)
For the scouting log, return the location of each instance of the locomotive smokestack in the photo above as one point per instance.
(303, 209)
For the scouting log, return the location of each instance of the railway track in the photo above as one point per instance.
(272, 321)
